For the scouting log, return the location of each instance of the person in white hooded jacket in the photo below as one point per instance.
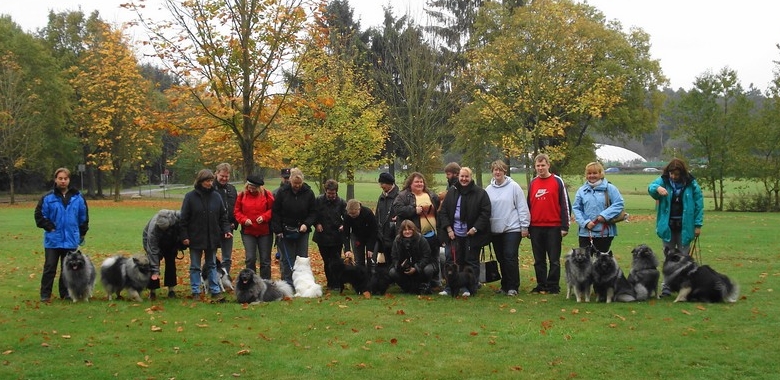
(509, 223)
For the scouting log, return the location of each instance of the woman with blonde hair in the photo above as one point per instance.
(591, 211)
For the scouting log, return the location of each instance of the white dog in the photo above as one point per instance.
(303, 279)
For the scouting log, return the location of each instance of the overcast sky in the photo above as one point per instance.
(688, 36)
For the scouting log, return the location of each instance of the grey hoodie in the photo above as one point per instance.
(509, 207)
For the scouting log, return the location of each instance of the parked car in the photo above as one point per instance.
(650, 170)
(612, 170)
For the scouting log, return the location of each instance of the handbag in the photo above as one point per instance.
(488, 269)
(291, 232)
(622, 216)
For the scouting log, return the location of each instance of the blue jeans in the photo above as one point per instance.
(258, 247)
(227, 254)
(507, 247)
(196, 255)
(290, 249)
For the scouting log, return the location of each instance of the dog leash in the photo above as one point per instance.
(283, 247)
(696, 251)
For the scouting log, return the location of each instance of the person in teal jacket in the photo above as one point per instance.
(62, 214)
(680, 208)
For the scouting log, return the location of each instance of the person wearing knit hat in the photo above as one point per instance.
(253, 212)
(386, 178)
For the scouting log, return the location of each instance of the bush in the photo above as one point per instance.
(752, 202)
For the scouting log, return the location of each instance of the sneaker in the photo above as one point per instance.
(511, 293)
(45, 299)
(444, 293)
(538, 290)
(666, 292)
(466, 294)
(171, 294)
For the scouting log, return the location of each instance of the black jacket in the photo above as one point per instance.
(474, 209)
(384, 218)
(414, 249)
(204, 219)
(330, 214)
(293, 209)
(229, 195)
(363, 227)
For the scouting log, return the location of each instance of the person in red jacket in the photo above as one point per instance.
(253, 213)
(548, 203)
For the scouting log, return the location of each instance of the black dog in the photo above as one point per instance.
(380, 279)
(694, 282)
(457, 279)
(349, 273)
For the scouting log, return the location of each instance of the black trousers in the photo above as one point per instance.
(546, 245)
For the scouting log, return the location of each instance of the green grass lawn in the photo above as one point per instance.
(430, 337)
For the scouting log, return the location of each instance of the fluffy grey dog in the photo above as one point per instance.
(131, 273)
(694, 282)
(609, 283)
(579, 274)
(644, 273)
(79, 275)
(252, 289)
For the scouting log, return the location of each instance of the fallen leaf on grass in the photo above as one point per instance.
(242, 353)
(622, 318)
(236, 374)
(400, 312)
(201, 325)
(516, 368)
(44, 344)
(66, 337)
(393, 341)
(473, 333)
(156, 329)
(8, 352)
(142, 365)
(88, 363)
(686, 312)
(701, 307)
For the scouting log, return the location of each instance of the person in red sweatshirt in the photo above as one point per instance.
(253, 213)
(548, 203)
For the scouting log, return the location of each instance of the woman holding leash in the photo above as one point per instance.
(679, 210)
(253, 212)
(294, 213)
(591, 211)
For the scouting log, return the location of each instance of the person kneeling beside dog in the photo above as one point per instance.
(412, 268)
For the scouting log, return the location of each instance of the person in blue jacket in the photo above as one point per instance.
(64, 217)
(591, 211)
(680, 208)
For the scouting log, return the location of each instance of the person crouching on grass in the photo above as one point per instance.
(412, 268)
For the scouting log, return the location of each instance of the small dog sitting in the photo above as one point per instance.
(644, 273)
(79, 275)
(579, 276)
(609, 283)
(457, 279)
(694, 282)
(303, 279)
(252, 289)
(131, 273)
(346, 272)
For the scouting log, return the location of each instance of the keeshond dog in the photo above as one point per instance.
(79, 275)
(609, 283)
(346, 272)
(459, 279)
(694, 282)
(579, 274)
(252, 289)
(644, 273)
(131, 273)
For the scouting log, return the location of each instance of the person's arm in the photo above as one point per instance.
(41, 219)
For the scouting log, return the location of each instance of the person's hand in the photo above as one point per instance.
(564, 233)
(318, 228)
(248, 222)
(410, 271)
(303, 229)
(471, 231)
(280, 236)
(259, 219)
(697, 231)
(155, 276)
(662, 191)
(348, 254)
(369, 254)
(228, 235)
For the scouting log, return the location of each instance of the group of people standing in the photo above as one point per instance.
(403, 236)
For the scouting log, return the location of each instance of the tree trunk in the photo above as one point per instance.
(350, 183)
(11, 185)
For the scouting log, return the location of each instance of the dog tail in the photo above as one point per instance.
(641, 292)
(284, 288)
(729, 290)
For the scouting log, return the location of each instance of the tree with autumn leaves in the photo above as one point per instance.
(333, 125)
(113, 101)
(550, 73)
(230, 57)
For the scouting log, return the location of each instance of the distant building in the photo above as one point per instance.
(615, 155)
